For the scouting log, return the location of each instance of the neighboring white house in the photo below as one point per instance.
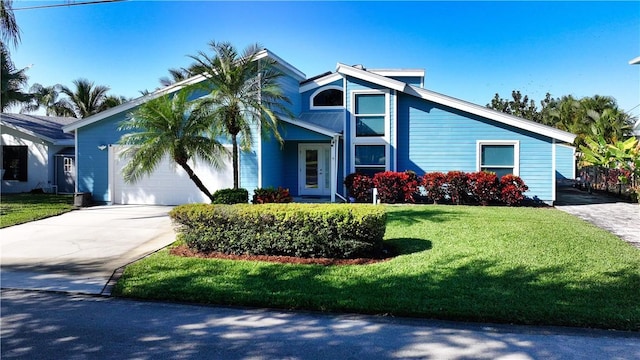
(36, 154)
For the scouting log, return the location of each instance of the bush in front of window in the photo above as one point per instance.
(512, 190)
(231, 196)
(300, 230)
(359, 187)
(434, 185)
(395, 187)
(485, 187)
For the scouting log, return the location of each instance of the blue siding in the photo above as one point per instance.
(436, 138)
(291, 89)
(272, 162)
(411, 80)
(565, 162)
(92, 163)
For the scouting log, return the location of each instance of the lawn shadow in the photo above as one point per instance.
(406, 246)
(410, 215)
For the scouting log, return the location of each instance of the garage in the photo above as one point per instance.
(168, 185)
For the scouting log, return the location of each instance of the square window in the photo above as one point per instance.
(14, 162)
(370, 126)
(370, 155)
(498, 158)
(370, 104)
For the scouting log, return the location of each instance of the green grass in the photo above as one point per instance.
(21, 208)
(487, 264)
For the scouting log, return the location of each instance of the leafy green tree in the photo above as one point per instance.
(8, 25)
(244, 93)
(520, 106)
(616, 155)
(176, 75)
(170, 126)
(12, 81)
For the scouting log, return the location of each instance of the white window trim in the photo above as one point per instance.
(516, 153)
(370, 140)
(318, 91)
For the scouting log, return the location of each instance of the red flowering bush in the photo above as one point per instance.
(484, 186)
(271, 195)
(457, 186)
(359, 187)
(395, 187)
(512, 189)
(433, 183)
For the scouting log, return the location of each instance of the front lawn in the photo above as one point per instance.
(487, 264)
(21, 208)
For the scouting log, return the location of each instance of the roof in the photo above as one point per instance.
(635, 61)
(48, 128)
(456, 103)
(332, 121)
(172, 89)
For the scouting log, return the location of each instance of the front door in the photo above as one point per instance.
(66, 169)
(314, 169)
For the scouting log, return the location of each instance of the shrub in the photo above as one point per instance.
(512, 189)
(301, 230)
(395, 187)
(271, 195)
(359, 187)
(457, 186)
(231, 196)
(433, 183)
(484, 186)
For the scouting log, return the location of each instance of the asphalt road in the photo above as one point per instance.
(47, 325)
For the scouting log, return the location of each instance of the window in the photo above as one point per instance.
(370, 114)
(500, 157)
(14, 162)
(370, 159)
(328, 98)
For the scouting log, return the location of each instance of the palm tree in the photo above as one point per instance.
(176, 76)
(47, 97)
(244, 93)
(86, 99)
(12, 82)
(8, 24)
(170, 126)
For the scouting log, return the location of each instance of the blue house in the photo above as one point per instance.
(353, 119)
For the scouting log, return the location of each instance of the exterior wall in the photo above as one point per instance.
(354, 84)
(290, 88)
(565, 162)
(432, 137)
(411, 80)
(39, 174)
(305, 97)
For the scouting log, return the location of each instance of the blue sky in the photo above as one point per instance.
(470, 50)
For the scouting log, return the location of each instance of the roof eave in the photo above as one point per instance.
(310, 127)
(29, 132)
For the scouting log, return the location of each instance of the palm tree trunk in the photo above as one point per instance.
(196, 180)
(234, 142)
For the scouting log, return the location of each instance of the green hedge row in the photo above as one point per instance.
(301, 230)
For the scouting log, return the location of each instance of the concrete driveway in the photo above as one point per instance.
(79, 251)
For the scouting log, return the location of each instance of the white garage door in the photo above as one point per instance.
(168, 185)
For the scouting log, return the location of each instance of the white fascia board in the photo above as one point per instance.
(320, 82)
(133, 103)
(28, 132)
(292, 69)
(491, 114)
(635, 61)
(371, 77)
(311, 127)
(398, 72)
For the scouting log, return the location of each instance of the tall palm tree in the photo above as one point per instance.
(8, 25)
(47, 97)
(86, 99)
(170, 126)
(12, 82)
(244, 93)
(176, 75)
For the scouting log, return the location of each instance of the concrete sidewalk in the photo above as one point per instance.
(80, 250)
(607, 212)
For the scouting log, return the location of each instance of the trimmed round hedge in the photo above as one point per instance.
(302, 230)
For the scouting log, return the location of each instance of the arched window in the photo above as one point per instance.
(330, 97)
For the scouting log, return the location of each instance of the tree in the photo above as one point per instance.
(86, 99)
(8, 24)
(170, 126)
(519, 106)
(616, 155)
(244, 93)
(176, 76)
(12, 82)
(47, 97)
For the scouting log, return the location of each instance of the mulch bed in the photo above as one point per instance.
(183, 250)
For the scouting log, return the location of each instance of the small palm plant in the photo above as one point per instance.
(172, 126)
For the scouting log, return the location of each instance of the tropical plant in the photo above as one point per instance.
(13, 80)
(171, 126)
(622, 155)
(176, 76)
(8, 25)
(47, 97)
(87, 99)
(244, 94)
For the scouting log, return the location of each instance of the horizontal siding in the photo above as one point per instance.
(291, 89)
(565, 162)
(432, 137)
(272, 163)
